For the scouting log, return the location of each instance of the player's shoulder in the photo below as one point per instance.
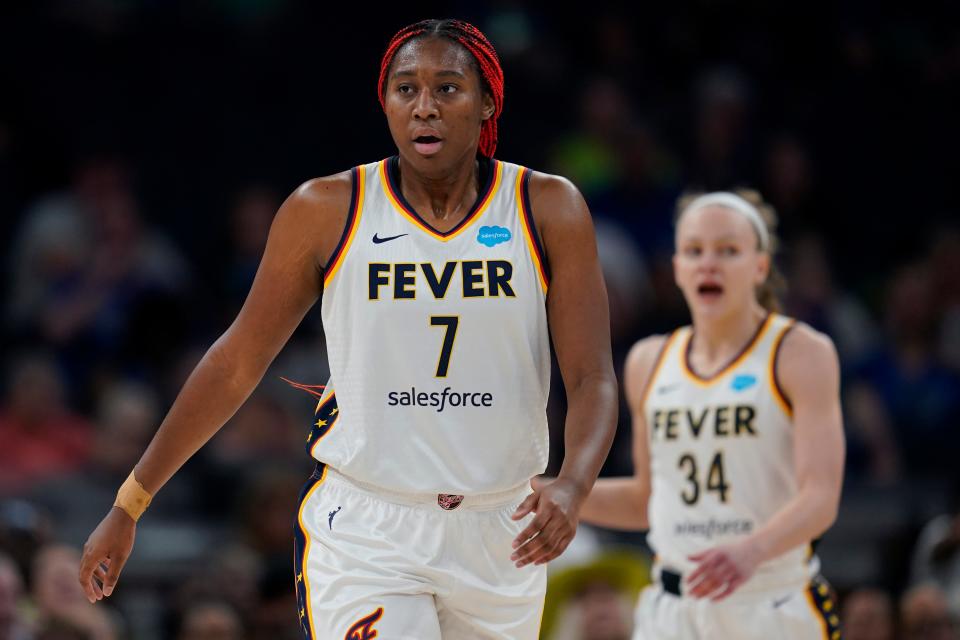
(550, 189)
(642, 359)
(315, 213)
(807, 359)
(805, 344)
(558, 208)
(317, 205)
(323, 192)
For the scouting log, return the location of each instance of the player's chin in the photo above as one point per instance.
(708, 306)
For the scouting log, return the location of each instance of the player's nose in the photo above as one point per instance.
(708, 262)
(425, 106)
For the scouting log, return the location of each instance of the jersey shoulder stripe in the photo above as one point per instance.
(530, 228)
(775, 389)
(657, 365)
(350, 228)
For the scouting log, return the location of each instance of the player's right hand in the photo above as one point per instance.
(105, 553)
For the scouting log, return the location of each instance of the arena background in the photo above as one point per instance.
(144, 147)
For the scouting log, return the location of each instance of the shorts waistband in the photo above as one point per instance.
(671, 581)
(443, 501)
(758, 584)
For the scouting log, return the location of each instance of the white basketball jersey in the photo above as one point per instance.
(721, 452)
(438, 344)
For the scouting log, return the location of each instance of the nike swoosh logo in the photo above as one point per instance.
(667, 388)
(377, 240)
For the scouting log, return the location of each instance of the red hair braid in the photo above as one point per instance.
(471, 39)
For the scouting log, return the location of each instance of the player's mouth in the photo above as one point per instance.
(709, 291)
(427, 142)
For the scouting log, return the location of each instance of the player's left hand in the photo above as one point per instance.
(557, 505)
(722, 570)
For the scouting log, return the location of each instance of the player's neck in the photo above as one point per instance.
(446, 195)
(717, 340)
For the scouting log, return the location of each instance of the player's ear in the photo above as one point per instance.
(763, 268)
(488, 108)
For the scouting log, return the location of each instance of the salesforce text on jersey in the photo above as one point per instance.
(439, 399)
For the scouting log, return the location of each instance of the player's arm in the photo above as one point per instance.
(621, 503)
(578, 315)
(288, 282)
(809, 374)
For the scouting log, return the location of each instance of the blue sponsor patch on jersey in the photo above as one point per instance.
(492, 236)
(743, 381)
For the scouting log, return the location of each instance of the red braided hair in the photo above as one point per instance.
(473, 40)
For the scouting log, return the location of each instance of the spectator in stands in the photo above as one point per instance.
(60, 600)
(91, 277)
(917, 392)
(270, 619)
(815, 298)
(250, 219)
(127, 415)
(41, 436)
(12, 623)
(211, 621)
(595, 600)
(924, 615)
(867, 614)
(936, 556)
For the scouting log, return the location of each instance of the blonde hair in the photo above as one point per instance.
(769, 292)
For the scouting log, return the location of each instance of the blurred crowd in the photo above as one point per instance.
(117, 277)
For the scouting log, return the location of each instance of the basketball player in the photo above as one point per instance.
(738, 444)
(440, 270)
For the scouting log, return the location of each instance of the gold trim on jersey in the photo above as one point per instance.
(306, 549)
(775, 389)
(472, 216)
(532, 247)
(744, 354)
(655, 371)
(355, 224)
(817, 614)
(818, 596)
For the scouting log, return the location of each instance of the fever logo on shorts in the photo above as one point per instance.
(363, 629)
(449, 501)
(492, 236)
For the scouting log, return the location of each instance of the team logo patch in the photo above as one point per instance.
(492, 236)
(449, 501)
(744, 381)
(363, 629)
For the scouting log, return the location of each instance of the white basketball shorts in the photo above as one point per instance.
(789, 613)
(373, 564)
